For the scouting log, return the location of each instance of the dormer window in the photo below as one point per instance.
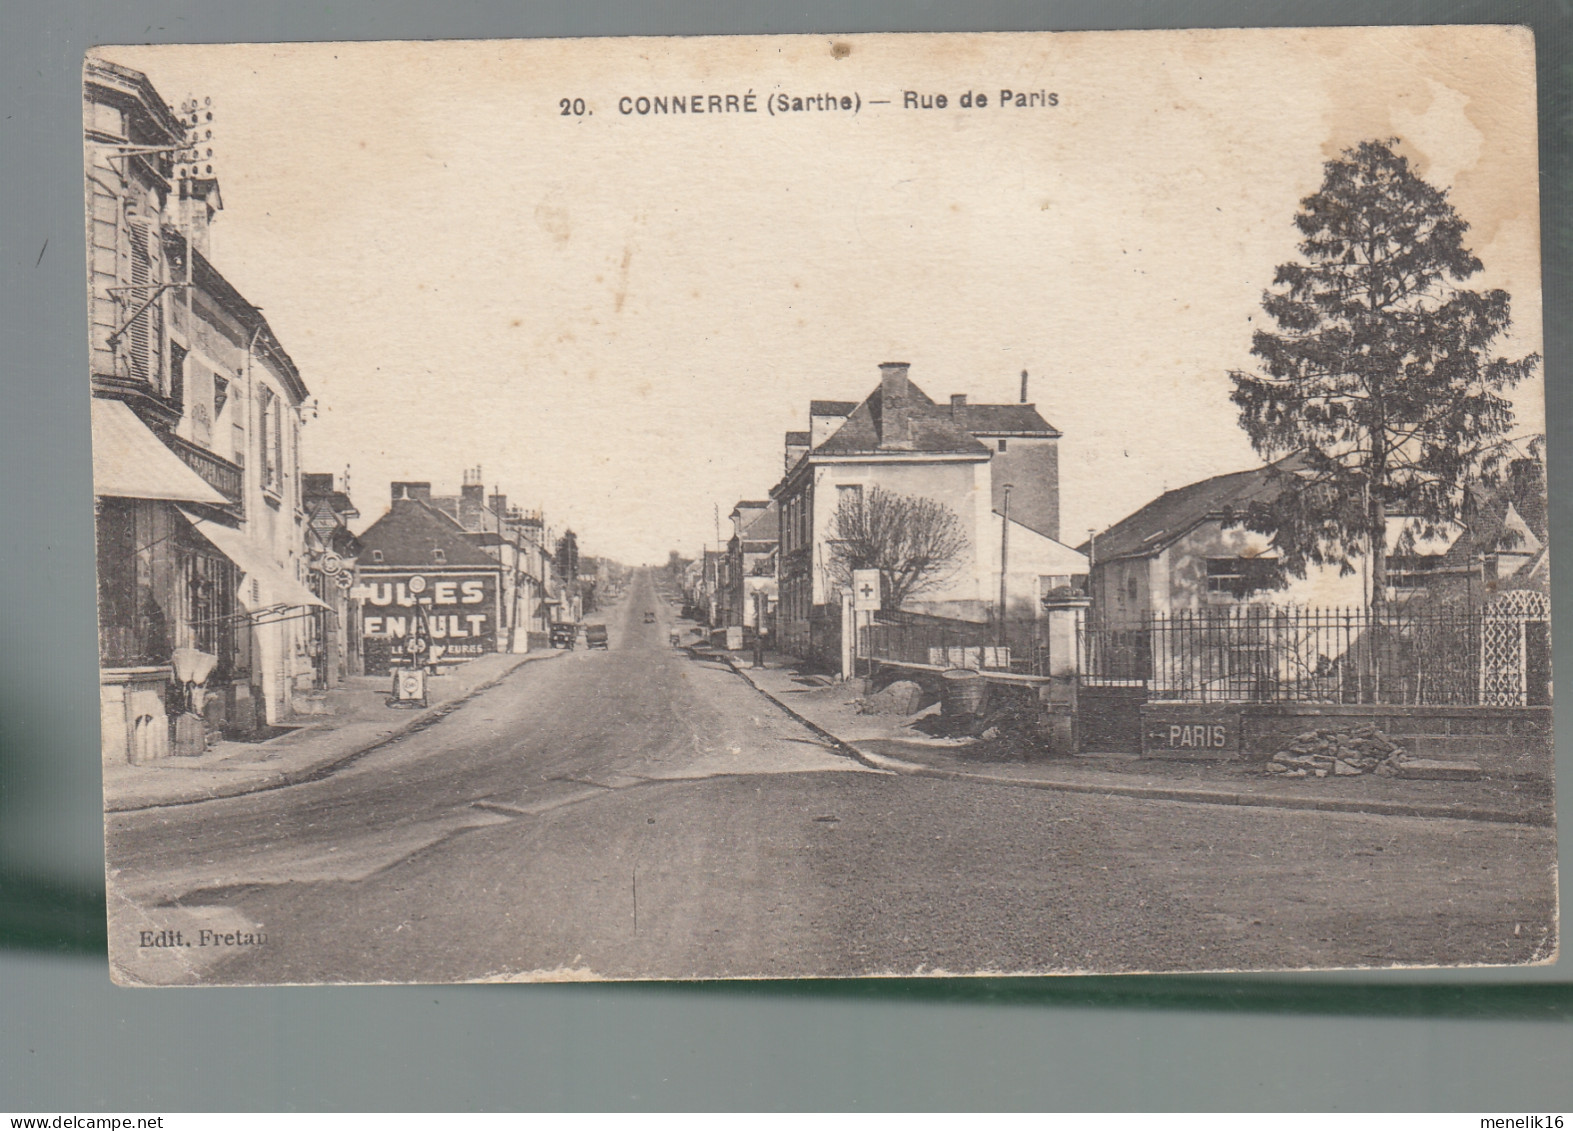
(439, 557)
(376, 556)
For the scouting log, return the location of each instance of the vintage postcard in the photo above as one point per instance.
(820, 507)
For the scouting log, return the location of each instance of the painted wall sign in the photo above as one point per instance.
(461, 614)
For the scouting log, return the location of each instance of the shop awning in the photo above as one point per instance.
(274, 587)
(130, 462)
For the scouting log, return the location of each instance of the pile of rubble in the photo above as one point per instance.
(901, 698)
(1339, 753)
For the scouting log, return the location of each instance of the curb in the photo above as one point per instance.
(417, 722)
(1167, 793)
(862, 757)
(1221, 797)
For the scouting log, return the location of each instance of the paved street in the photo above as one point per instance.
(636, 812)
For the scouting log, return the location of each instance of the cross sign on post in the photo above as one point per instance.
(865, 589)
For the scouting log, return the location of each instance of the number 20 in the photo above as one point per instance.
(572, 107)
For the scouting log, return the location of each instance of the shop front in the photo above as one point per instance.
(277, 612)
(160, 588)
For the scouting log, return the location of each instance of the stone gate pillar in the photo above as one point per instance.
(1065, 616)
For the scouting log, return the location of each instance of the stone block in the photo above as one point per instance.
(1436, 770)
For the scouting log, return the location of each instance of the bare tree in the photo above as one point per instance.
(915, 543)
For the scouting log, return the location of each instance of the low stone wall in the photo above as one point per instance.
(1504, 741)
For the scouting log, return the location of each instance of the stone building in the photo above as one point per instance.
(196, 425)
(519, 542)
(420, 578)
(751, 560)
(332, 549)
(959, 454)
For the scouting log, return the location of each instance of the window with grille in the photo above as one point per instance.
(210, 593)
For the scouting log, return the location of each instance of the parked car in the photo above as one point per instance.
(595, 636)
(564, 635)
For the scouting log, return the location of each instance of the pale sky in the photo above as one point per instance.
(618, 316)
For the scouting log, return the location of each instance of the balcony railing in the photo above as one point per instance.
(227, 478)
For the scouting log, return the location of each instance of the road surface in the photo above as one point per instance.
(640, 813)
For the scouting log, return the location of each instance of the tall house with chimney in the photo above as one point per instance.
(196, 411)
(968, 457)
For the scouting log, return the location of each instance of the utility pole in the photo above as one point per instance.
(1092, 557)
(759, 629)
(1004, 561)
(716, 609)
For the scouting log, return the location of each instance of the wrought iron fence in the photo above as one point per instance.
(1425, 656)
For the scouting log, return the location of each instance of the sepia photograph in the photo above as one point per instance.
(884, 505)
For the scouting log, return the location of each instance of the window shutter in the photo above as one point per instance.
(141, 278)
(145, 336)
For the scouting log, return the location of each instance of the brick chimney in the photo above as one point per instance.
(796, 445)
(958, 401)
(473, 493)
(198, 201)
(895, 405)
(499, 504)
(421, 491)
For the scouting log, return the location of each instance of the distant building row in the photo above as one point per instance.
(1186, 551)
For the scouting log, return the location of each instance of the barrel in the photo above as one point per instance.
(963, 691)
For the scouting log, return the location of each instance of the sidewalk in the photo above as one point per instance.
(890, 743)
(355, 719)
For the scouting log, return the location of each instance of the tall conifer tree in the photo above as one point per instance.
(1380, 375)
